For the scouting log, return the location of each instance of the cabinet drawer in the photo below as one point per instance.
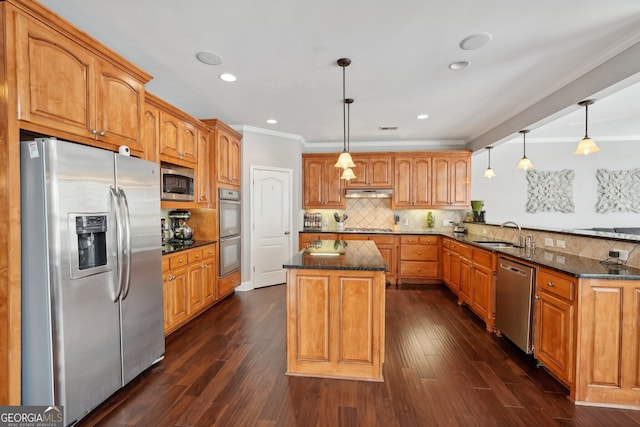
(166, 266)
(464, 250)
(194, 255)
(556, 284)
(419, 252)
(178, 260)
(209, 251)
(446, 243)
(418, 269)
(310, 237)
(228, 283)
(483, 257)
(409, 240)
(429, 240)
(383, 240)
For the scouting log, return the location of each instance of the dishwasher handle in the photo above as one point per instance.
(514, 269)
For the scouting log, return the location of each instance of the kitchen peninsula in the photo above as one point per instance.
(335, 310)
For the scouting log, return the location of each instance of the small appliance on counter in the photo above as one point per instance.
(180, 231)
(478, 213)
(312, 221)
(459, 228)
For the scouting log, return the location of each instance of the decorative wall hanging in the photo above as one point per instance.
(618, 191)
(550, 191)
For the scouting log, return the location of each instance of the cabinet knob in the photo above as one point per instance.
(180, 260)
(198, 256)
(102, 133)
(419, 253)
(550, 284)
(419, 268)
(94, 131)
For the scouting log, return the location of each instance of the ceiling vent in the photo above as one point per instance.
(383, 128)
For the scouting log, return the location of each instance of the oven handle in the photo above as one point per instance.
(229, 238)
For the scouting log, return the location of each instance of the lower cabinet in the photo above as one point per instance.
(228, 283)
(190, 285)
(554, 342)
(418, 258)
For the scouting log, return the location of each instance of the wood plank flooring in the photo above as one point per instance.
(226, 368)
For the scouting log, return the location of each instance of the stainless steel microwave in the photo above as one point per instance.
(177, 183)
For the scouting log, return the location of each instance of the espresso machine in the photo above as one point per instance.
(181, 233)
(478, 213)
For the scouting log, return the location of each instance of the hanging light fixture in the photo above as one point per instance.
(525, 163)
(344, 161)
(587, 145)
(348, 174)
(489, 173)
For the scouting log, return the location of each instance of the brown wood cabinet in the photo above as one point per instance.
(418, 259)
(372, 171)
(228, 152)
(228, 283)
(335, 323)
(151, 131)
(554, 333)
(205, 196)
(65, 87)
(411, 187)
(178, 141)
(321, 184)
(451, 181)
(190, 285)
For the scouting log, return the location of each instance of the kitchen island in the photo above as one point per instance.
(335, 311)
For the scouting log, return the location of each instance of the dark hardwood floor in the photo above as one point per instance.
(226, 368)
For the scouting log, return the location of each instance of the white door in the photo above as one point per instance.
(272, 225)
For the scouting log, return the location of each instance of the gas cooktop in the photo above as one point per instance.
(367, 230)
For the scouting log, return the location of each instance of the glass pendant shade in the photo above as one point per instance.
(489, 173)
(345, 161)
(525, 164)
(348, 174)
(587, 145)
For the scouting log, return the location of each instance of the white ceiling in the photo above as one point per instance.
(284, 54)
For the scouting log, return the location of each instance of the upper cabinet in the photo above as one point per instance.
(178, 141)
(204, 171)
(451, 180)
(65, 88)
(227, 154)
(372, 171)
(322, 187)
(411, 187)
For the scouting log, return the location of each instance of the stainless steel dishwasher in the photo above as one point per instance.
(514, 296)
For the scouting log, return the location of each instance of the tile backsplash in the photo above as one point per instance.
(377, 213)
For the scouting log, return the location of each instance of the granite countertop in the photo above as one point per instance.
(360, 255)
(574, 265)
(171, 248)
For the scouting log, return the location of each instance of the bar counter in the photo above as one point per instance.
(335, 311)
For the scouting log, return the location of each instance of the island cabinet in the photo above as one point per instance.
(554, 333)
(228, 152)
(336, 312)
(70, 86)
(418, 259)
(190, 284)
(451, 181)
(387, 245)
(321, 184)
(411, 187)
(372, 171)
(471, 276)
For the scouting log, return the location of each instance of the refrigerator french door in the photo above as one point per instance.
(92, 312)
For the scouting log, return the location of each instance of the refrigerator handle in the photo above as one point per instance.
(127, 241)
(116, 200)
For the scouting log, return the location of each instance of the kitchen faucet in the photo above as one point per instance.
(520, 239)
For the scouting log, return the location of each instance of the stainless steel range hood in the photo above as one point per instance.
(368, 193)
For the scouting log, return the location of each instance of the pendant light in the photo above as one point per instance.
(587, 145)
(489, 173)
(348, 174)
(525, 163)
(344, 161)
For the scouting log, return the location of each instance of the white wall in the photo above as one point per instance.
(505, 195)
(274, 150)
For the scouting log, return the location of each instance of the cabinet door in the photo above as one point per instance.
(196, 287)
(170, 132)
(440, 183)
(234, 161)
(119, 106)
(361, 172)
(55, 79)
(402, 192)
(313, 172)
(203, 168)
(209, 279)
(333, 189)
(456, 266)
(421, 184)
(446, 266)
(151, 133)
(380, 172)
(178, 294)
(388, 254)
(481, 291)
(167, 300)
(188, 143)
(553, 344)
(227, 158)
(465, 280)
(459, 181)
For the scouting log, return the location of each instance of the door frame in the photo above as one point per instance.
(250, 285)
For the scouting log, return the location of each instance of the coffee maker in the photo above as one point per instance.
(478, 213)
(180, 231)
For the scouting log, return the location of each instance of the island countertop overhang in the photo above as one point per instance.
(354, 255)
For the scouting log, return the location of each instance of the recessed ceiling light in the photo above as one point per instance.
(422, 116)
(227, 77)
(209, 58)
(476, 41)
(272, 121)
(458, 65)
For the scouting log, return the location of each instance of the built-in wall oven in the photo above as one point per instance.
(230, 220)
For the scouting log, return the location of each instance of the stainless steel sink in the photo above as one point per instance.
(494, 243)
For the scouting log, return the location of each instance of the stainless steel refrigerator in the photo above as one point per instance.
(92, 316)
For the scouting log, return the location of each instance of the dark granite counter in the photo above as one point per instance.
(565, 263)
(362, 255)
(171, 248)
